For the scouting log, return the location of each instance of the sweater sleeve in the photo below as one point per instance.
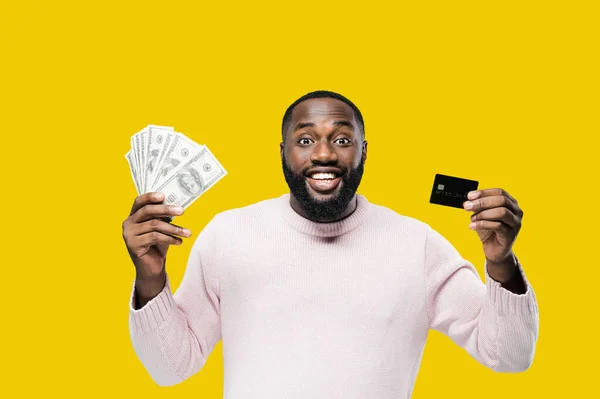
(173, 334)
(495, 326)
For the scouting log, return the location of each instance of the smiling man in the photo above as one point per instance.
(323, 159)
(320, 293)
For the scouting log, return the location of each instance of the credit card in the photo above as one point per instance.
(451, 190)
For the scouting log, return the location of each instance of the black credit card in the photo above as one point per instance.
(451, 191)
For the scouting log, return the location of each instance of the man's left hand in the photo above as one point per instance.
(497, 220)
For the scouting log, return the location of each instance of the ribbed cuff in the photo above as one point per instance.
(154, 313)
(507, 302)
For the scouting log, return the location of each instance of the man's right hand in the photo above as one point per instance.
(148, 235)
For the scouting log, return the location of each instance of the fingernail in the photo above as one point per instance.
(468, 205)
(473, 194)
(157, 196)
(177, 209)
(472, 225)
(186, 232)
(473, 218)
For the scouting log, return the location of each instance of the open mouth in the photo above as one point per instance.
(324, 182)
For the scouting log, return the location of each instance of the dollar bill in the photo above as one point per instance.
(140, 160)
(180, 150)
(199, 173)
(168, 141)
(155, 142)
(142, 138)
(137, 149)
(129, 156)
(134, 163)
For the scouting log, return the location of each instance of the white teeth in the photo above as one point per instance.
(323, 176)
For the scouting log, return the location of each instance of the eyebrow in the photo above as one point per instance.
(302, 125)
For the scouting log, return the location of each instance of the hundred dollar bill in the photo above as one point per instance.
(130, 161)
(134, 162)
(167, 142)
(137, 149)
(140, 158)
(155, 141)
(143, 137)
(181, 149)
(195, 177)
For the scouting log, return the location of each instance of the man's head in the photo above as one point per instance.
(323, 152)
(190, 181)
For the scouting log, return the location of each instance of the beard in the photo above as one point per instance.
(330, 209)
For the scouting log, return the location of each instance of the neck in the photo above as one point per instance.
(300, 211)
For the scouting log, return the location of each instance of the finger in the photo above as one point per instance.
(501, 214)
(495, 201)
(490, 192)
(162, 227)
(148, 212)
(490, 225)
(145, 199)
(156, 238)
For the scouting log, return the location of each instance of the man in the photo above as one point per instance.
(320, 293)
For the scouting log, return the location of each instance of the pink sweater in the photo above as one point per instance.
(338, 310)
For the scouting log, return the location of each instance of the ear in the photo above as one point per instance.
(364, 150)
(281, 146)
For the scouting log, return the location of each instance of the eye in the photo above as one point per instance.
(304, 141)
(343, 141)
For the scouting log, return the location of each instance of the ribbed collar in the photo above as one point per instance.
(332, 229)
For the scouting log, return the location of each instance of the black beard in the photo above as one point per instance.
(327, 210)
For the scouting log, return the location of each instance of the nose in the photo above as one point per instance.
(323, 154)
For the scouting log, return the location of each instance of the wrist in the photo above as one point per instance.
(503, 271)
(148, 287)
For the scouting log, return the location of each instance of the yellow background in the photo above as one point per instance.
(502, 92)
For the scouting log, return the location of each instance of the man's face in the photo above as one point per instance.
(323, 157)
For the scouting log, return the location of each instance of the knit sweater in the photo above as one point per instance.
(326, 310)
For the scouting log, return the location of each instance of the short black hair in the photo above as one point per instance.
(287, 117)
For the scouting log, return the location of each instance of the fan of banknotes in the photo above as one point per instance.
(163, 160)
